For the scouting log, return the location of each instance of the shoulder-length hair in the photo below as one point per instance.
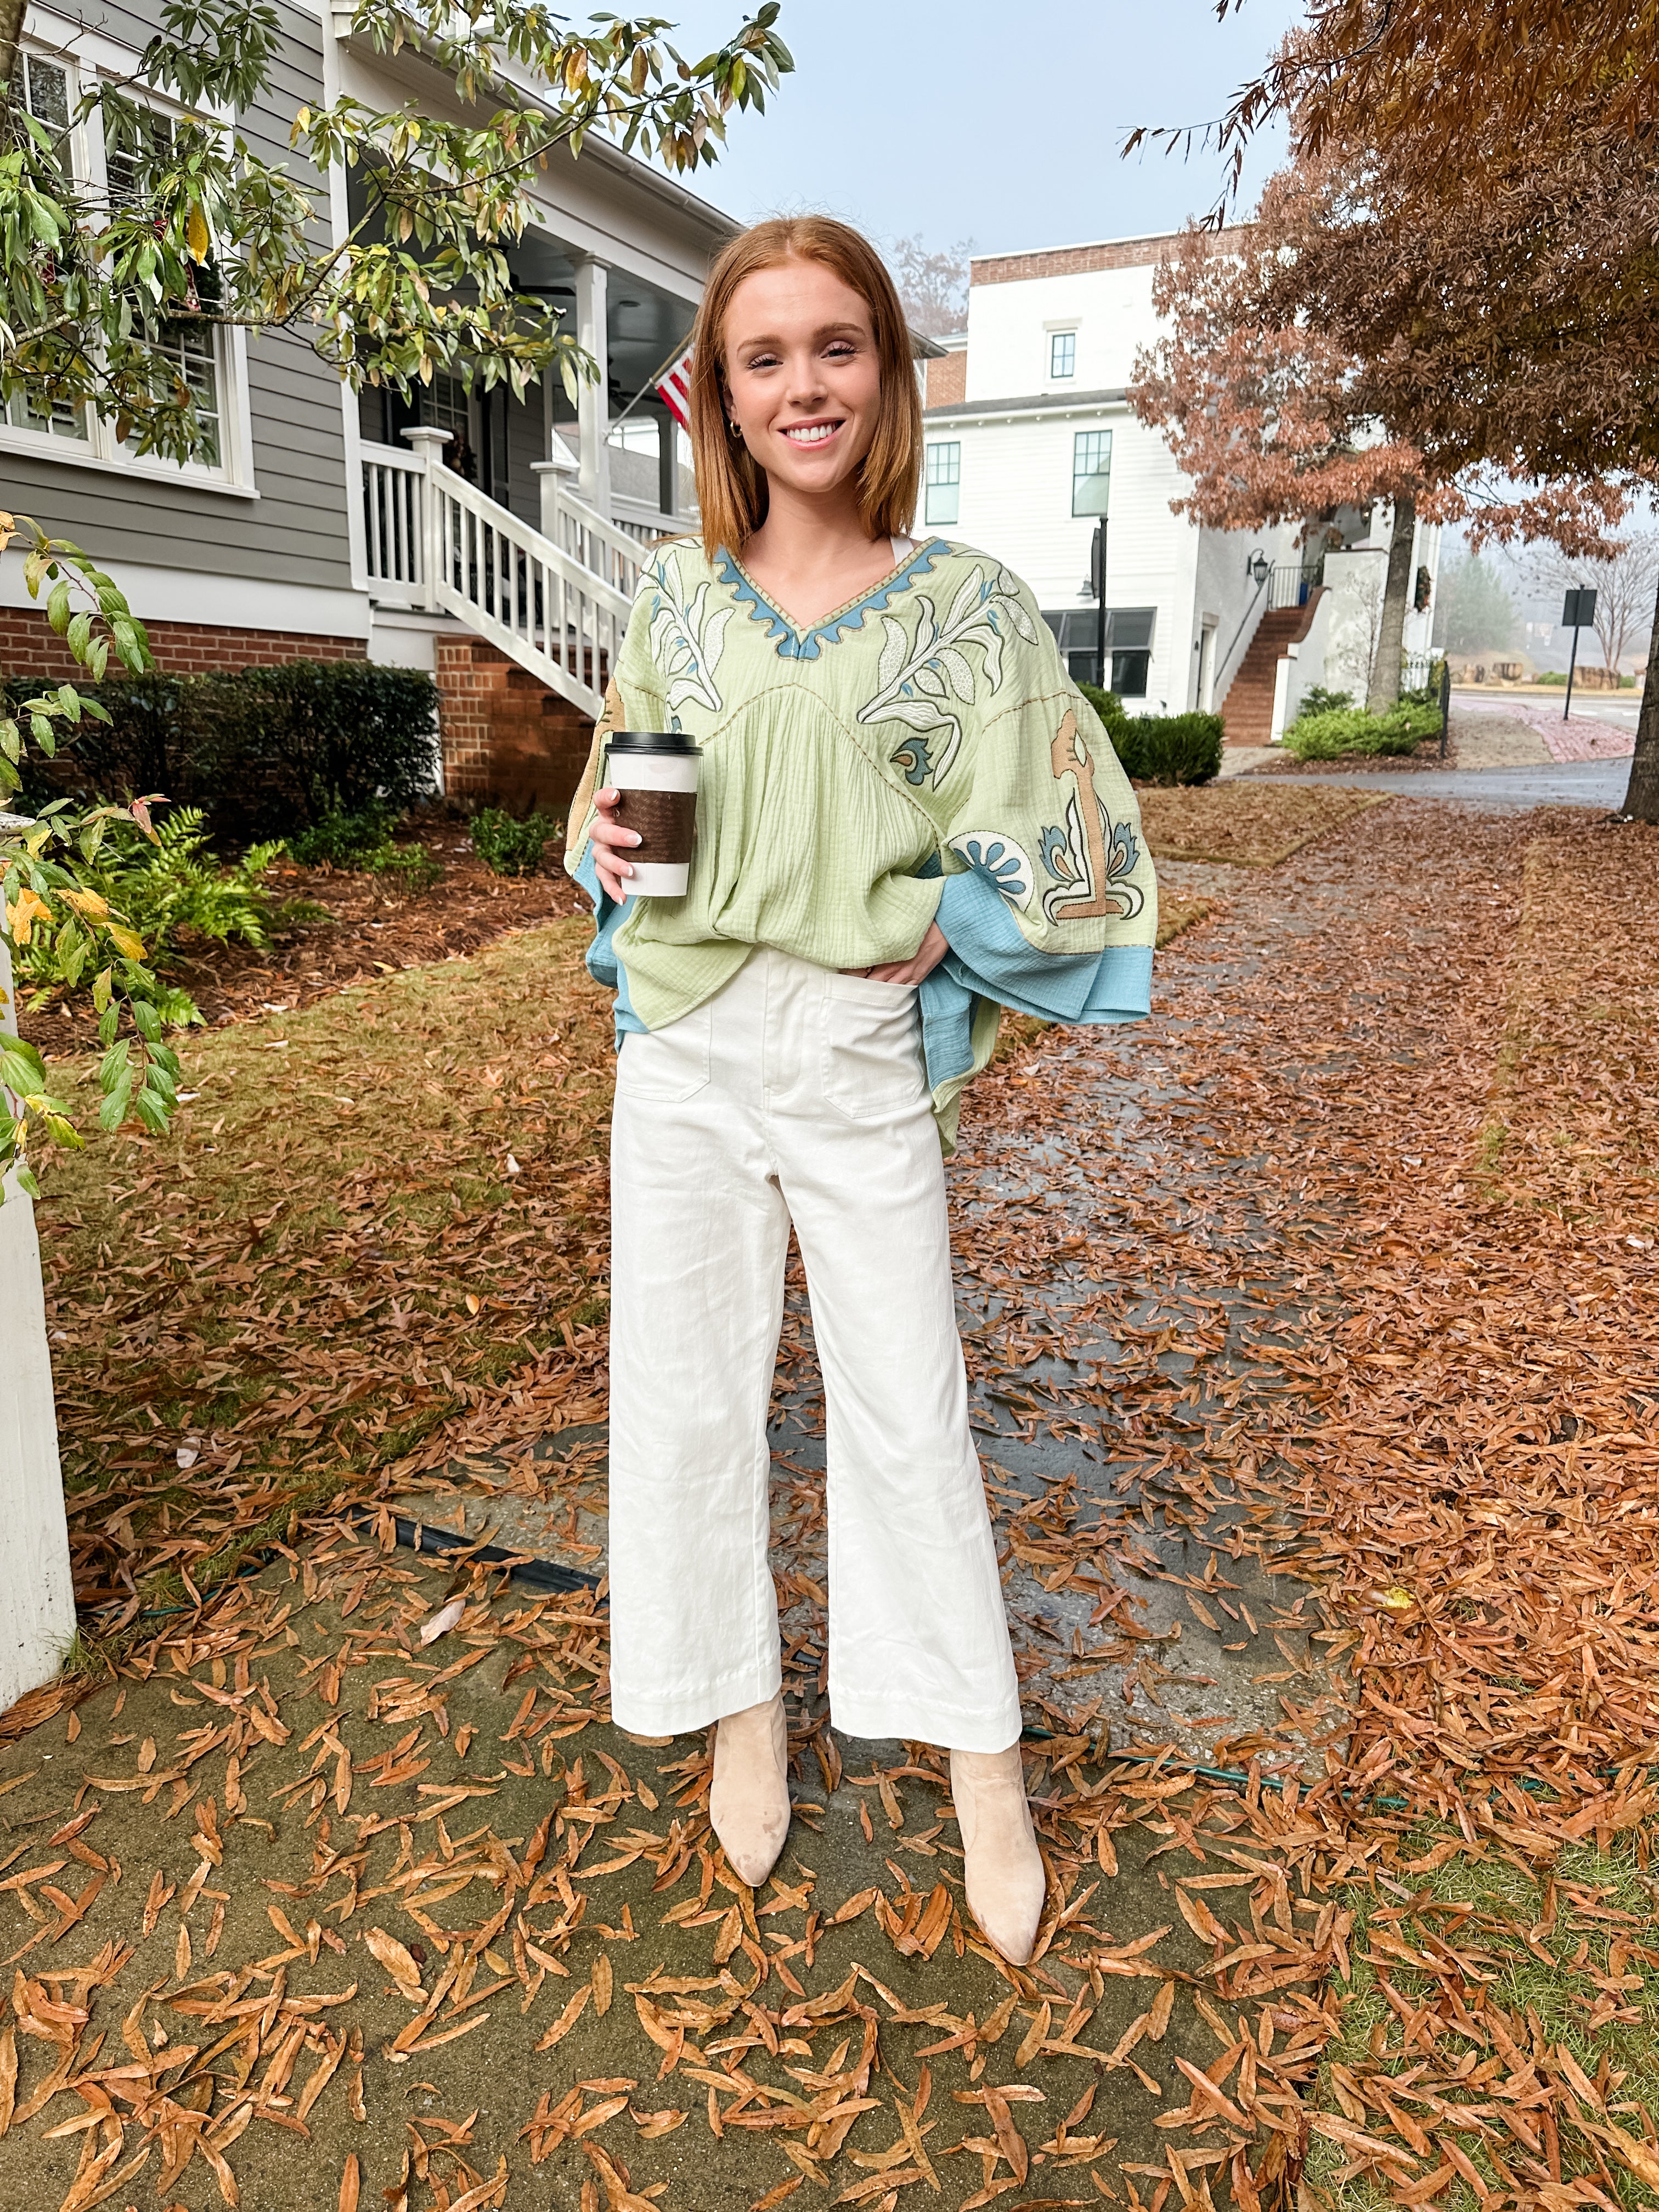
(732, 489)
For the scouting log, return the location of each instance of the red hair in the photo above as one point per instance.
(730, 485)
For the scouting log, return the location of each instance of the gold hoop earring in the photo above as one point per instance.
(737, 430)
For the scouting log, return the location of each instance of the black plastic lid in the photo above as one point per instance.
(651, 741)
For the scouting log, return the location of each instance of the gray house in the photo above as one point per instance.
(495, 542)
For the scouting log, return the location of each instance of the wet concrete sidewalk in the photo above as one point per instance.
(316, 1915)
(1600, 784)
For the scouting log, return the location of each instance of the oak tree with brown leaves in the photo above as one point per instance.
(1494, 265)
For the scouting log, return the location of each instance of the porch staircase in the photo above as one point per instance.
(554, 601)
(1246, 713)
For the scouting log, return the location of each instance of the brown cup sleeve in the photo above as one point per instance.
(665, 821)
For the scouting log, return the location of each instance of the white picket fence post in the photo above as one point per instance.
(37, 1591)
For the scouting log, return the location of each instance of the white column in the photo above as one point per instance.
(1281, 697)
(428, 442)
(37, 1593)
(555, 476)
(593, 405)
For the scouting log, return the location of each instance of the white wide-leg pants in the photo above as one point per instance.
(798, 1095)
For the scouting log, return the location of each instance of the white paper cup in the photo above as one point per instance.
(656, 773)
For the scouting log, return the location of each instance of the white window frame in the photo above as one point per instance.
(1067, 326)
(84, 56)
(953, 445)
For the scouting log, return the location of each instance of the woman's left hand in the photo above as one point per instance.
(921, 963)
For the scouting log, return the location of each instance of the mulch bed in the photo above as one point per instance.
(1427, 755)
(368, 930)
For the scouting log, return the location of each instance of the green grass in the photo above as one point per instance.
(369, 1212)
(1513, 1968)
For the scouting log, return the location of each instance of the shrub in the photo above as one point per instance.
(266, 751)
(1335, 736)
(159, 889)
(1168, 748)
(406, 867)
(509, 847)
(1158, 748)
(1106, 704)
(1317, 700)
(342, 840)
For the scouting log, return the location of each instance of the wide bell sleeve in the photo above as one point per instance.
(1049, 904)
(632, 701)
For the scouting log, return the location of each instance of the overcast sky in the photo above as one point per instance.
(994, 120)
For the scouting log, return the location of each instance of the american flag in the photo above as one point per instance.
(675, 389)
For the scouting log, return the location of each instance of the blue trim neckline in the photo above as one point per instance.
(794, 644)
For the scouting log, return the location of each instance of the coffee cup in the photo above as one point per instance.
(654, 773)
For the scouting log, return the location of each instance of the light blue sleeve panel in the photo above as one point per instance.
(990, 959)
(604, 963)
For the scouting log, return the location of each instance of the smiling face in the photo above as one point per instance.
(802, 374)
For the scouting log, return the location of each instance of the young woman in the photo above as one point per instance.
(908, 817)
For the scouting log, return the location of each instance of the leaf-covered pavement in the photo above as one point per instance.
(1358, 1241)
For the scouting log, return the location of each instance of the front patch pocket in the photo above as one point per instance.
(873, 1060)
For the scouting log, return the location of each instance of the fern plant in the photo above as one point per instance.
(159, 889)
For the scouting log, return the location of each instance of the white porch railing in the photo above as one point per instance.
(647, 524)
(558, 605)
(392, 527)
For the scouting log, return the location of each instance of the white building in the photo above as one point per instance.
(1032, 442)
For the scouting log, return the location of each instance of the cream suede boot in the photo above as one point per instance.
(748, 1802)
(1006, 1884)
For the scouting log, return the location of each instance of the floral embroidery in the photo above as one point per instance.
(805, 645)
(687, 637)
(921, 676)
(1001, 859)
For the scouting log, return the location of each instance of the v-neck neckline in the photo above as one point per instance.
(883, 587)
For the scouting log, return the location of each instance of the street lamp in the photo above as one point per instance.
(1258, 567)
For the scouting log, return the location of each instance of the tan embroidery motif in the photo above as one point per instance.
(1069, 756)
(1090, 856)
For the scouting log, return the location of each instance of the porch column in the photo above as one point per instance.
(593, 405)
(37, 1591)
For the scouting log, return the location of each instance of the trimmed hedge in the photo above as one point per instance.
(1353, 731)
(264, 752)
(1159, 748)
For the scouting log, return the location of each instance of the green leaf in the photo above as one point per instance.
(113, 1111)
(22, 1068)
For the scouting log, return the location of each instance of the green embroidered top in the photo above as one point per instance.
(920, 754)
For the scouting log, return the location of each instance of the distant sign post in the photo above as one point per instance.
(1579, 613)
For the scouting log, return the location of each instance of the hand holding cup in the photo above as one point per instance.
(647, 815)
(612, 843)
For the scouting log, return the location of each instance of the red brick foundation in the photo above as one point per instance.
(508, 740)
(29, 648)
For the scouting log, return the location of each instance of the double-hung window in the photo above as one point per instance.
(46, 91)
(1062, 353)
(944, 481)
(118, 167)
(1092, 471)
